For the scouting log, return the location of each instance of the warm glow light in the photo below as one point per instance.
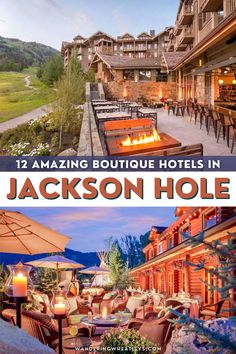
(143, 139)
(60, 308)
(19, 285)
(104, 313)
(200, 62)
(234, 82)
(221, 82)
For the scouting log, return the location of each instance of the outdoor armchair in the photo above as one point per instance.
(212, 310)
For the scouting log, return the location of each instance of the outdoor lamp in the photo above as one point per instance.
(60, 304)
(19, 283)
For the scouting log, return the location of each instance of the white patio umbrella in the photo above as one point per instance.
(57, 262)
(20, 234)
(95, 270)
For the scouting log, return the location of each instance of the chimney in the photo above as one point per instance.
(152, 33)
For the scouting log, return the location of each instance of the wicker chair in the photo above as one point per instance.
(42, 327)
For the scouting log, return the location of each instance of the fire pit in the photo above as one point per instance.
(131, 145)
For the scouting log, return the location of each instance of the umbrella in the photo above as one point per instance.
(95, 270)
(56, 262)
(20, 234)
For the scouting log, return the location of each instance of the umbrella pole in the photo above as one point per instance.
(57, 276)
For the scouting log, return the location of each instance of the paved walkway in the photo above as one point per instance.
(36, 113)
(188, 133)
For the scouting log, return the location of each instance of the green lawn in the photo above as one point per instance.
(16, 99)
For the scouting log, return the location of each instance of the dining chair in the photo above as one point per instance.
(224, 124)
(213, 121)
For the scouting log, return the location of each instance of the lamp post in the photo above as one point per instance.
(18, 287)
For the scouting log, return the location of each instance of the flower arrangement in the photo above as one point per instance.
(127, 341)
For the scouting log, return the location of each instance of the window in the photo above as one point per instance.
(170, 243)
(209, 218)
(211, 280)
(155, 45)
(144, 75)
(141, 55)
(128, 75)
(149, 46)
(79, 57)
(160, 249)
(204, 17)
(186, 230)
(89, 49)
(89, 57)
(151, 254)
(155, 55)
(115, 47)
(161, 77)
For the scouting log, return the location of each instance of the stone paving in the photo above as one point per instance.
(188, 133)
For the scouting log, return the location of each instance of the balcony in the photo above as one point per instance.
(186, 36)
(129, 49)
(230, 6)
(186, 15)
(170, 47)
(177, 30)
(179, 47)
(210, 5)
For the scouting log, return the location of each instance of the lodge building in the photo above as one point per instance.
(165, 268)
(145, 45)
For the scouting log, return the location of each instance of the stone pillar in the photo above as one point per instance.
(200, 88)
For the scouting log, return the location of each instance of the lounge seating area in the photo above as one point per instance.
(198, 129)
(95, 311)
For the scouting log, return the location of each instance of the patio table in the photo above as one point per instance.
(193, 305)
(106, 109)
(148, 112)
(110, 321)
(72, 343)
(103, 103)
(102, 117)
(134, 107)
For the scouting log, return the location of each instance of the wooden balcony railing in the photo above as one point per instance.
(206, 29)
(229, 6)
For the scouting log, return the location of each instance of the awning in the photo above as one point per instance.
(213, 65)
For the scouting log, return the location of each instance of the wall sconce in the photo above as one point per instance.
(221, 82)
(200, 62)
(234, 82)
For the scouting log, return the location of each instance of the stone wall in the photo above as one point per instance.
(135, 90)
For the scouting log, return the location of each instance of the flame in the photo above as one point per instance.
(143, 139)
(104, 313)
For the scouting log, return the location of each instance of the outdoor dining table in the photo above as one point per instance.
(111, 320)
(106, 109)
(103, 103)
(148, 112)
(191, 304)
(99, 100)
(102, 117)
(134, 107)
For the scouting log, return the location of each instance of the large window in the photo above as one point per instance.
(128, 75)
(170, 243)
(161, 77)
(160, 248)
(209, 218)
(144, 75)
(185, 229)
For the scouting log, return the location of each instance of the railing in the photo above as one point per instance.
(186, 10)
(229, 7)
(206, 29)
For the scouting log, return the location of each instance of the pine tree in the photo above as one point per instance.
(118, 270)
(45, 280)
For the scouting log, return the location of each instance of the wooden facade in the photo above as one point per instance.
(166, 269)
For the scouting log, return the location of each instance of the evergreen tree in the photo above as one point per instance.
(45, 279)
(51, 71)
(119, 273)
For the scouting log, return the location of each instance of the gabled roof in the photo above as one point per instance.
(126, 35)
(144, 34)
(98, 34)
(171, 59)
(125, 62)
(78, 37)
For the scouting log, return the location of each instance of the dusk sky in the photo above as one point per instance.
(52, 21)
(89, 227)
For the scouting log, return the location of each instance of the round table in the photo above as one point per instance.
(110, 321)
(74, 343)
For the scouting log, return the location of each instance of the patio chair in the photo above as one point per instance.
(42, 327)
(234, 133)
(224, 124)
(215, 313)
(158, 331)
(213, 120)
(82, 307)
